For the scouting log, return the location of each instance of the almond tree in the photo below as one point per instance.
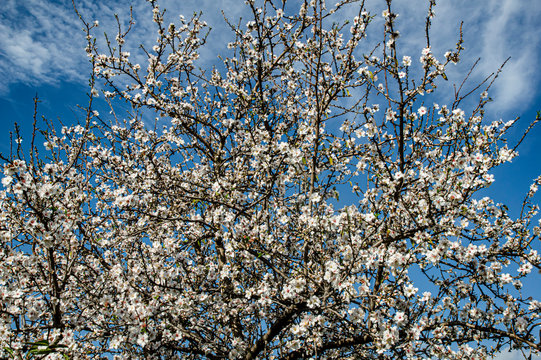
(219, 233)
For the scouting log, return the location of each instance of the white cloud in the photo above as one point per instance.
(514, 355)
(40, 43)
(512, 31)
(42, 40)
(493, 32)
(24, 51)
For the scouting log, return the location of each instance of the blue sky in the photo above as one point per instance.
(41, 52)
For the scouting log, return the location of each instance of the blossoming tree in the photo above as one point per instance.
(219, 233)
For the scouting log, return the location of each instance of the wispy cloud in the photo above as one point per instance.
(493, 32)
(23, 51)
(513, 355)
(42, 40)
(40, 43)
(512, 30)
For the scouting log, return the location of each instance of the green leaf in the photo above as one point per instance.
(42, 351)
(9, 350)
(38, 343)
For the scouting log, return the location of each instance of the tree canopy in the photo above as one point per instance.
(305, 199)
